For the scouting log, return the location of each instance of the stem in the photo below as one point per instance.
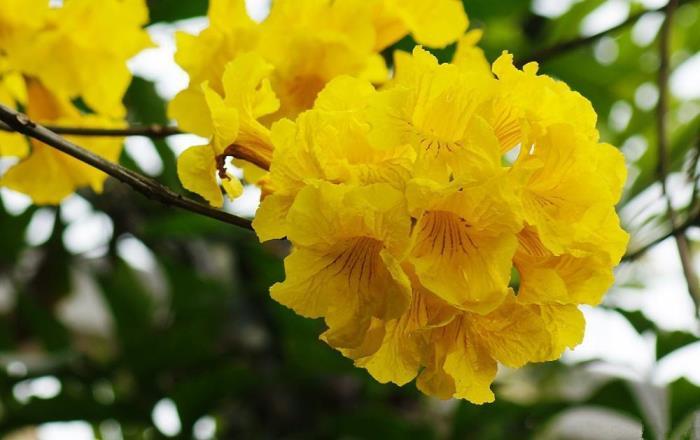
(663, 167)
(152, 131)
(692, 220)
(146, 186)
(567, 46)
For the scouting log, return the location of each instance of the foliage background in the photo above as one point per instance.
(144, 321)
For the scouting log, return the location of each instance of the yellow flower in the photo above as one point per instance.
(465, 239)
(47, 175)
(567, 199)
(546, 278)
(430, 107)
(455, 353)
(434, 24)
(326, 39)
(81, 50)
(514, 105)
(327, 143)
(345, 263)
(235, 125)
(205, 56)
(462, 355)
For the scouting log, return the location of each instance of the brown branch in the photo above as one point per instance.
(146, 186)
(567, 46)
(152, 131)
(662, 164)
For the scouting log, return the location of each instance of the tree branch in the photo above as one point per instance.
(692, 220)
(663, 168)
(567, 46)
(146, 186)
(152, 131)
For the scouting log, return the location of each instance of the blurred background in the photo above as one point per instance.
(121, 318)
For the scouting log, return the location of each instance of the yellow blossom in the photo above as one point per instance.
(234, 119)
(434, 24)
(566, 201)
(328, 143)
(430, 107)
(514, 113)
(47, 175)
(465, 239)
(546, 278)
(454, 353)
(345, 264)
(52, 55)
(205, 56)
(81, 50)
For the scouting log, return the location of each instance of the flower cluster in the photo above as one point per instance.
(447, 222)
(245, 75)
(52, 56)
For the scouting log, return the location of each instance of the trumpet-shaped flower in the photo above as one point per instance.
(52, 55)
(205, 57)
(429, 107)
(465, 239)
(345, 263)
(434, 24)
(566, 201)
(515, 115)
(234, 119)
(47, 175)
(81, 50)
(546, 278)
(328, 143)
(455, 353)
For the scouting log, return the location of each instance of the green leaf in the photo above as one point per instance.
(685, 400)
(668, 342)
(173, 10)
(146, 107)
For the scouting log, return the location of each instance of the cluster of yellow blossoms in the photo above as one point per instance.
(453, 219)
(246, 75)
(49, 58)
(412, 208)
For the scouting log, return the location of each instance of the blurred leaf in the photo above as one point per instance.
(12, 234)
(667, 342)
(146, 107)
(688, 429)
(173, 10)
(41, 322)
(131, 306)
(638, 320)
(197, 394)
(685, 400)
(376, 422)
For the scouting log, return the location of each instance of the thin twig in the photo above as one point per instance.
(564, 47)
(146, 186)
(692, 220)
(152, 131)
(663, 168)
